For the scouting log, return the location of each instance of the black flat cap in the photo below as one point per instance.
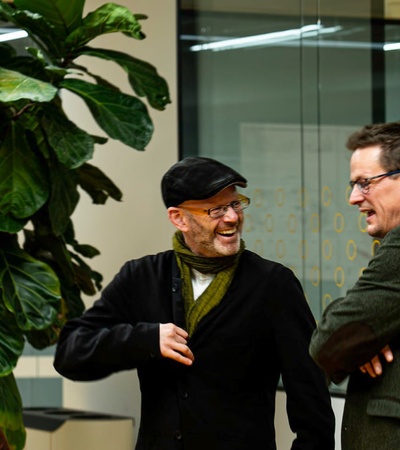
(197, 178)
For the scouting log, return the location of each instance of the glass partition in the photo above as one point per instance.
(274, 91)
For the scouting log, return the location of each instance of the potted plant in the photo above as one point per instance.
(44, 161)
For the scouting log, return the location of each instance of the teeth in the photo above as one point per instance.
(227, 232)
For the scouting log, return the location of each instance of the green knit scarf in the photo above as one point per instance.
(223, 267)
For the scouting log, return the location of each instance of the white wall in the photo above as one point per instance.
(138, 225)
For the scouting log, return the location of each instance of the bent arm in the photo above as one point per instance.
(355, 328)
(119, 331)
(90, 348)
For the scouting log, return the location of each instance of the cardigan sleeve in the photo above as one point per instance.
(112, 335)
(353, 329)
(307, 397)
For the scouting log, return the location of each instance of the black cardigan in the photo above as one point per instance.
(259, 332)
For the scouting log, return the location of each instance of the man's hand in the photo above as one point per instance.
(374, 367)
(173, 344)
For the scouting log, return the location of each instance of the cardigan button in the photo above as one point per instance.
(178, 435)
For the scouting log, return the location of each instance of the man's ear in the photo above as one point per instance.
(177, 218)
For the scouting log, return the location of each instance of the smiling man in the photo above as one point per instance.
(359, 335)
(210, 327)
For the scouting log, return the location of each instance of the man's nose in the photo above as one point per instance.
(230, 214)
(356, 196)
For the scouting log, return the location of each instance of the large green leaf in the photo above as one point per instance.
(97, 184)
(73, 301)
(11, 341)
(121, 116)
(53, 250)
(72, 145)
(23, 179)
(41, 32)
(63, 198)
(27, 65)
(15, 86)
(11, 421)
(143, 77)
(84, 249)
(31, 290)
(64, 15)
(10, 224)
(108, 18)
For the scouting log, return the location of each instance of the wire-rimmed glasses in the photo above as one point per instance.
(363, 184)
(218, 211)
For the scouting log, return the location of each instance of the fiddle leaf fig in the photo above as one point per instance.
(143, 77)
(108, 18)
(97, 184)
(121, 116)
(60, 17)
(11, 341)
(44, 167)
(30, 290)
(72, 145)
(24, 186)
(11, 225)
(15, 86)
(12, 425)
(64, 197)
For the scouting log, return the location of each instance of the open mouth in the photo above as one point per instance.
(227, 233)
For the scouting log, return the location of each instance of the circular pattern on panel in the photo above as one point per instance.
(327, 249)
(374, 246)
(314, 222)
(326, 299)
(257, 198)
(248, 223)
(315, 276)
(351, 250)
(259, 247)
(280, 248)
(292, 223)
(303, 249)
(339, 276)
(338, 222)
(362, 224)
(326, 196)
(279, 197)
(269, 223)
(303, 197)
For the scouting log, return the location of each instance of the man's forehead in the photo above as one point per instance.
(217, 199)
(366, 157)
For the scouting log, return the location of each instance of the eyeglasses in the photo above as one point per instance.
(363, 184)
(219, 211)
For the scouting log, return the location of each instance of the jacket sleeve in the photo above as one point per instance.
(355, 328)
(109, 337)
(309, 408)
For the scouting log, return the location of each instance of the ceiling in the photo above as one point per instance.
(342, 8)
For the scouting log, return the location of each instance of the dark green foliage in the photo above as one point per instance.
(44, 163)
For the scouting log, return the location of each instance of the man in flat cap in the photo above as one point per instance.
(210, 326)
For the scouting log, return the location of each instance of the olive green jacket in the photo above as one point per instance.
(351, 332)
